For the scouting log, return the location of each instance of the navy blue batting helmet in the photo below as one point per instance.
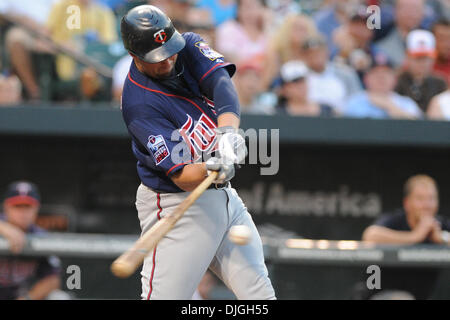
(148, 33)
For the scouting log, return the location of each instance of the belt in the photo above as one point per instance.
(219, 186)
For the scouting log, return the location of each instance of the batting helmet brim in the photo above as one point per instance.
(174, 45)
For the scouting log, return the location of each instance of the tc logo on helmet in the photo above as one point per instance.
(160, 36)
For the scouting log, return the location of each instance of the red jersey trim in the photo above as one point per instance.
(171, 95)
(158, 203)
(177, 165)
(207, 72)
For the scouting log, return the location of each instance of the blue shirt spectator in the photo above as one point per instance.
(113, 4)
(379, 100)
(335, 15)
(327, 20)
(221, 11)
(360, 105)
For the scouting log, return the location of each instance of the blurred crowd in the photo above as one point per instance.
(329, 58)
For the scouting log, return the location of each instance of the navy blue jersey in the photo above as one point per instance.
(18, 273)
(397, 221)
(171, 126)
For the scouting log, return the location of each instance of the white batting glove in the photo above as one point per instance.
(226, 170)
(232, 146)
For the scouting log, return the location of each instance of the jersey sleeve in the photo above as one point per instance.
(394, 221)
(203, 59)
(445, 223)
(48, 266)
(160, 143)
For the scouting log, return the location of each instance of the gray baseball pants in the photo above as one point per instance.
(199, 241)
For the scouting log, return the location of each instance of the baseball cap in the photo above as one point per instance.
(293, 70)
(421, 43)
(22, 192)
(381, 60)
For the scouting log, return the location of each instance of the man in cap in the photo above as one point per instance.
(293, 96)
(30, 278)
(417, 80)
(379, 100)
(337, 80)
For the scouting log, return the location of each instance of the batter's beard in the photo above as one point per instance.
(172, 74)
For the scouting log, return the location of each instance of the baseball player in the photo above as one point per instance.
(180, 107)
(24, 277)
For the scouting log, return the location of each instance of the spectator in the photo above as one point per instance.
(10, 90)
(439, 108)
(183, 13)
(21, 44)
(245, 37)
(248, 85)
(332, 16)
(417, 81)
(441, 31)
(120, 73)
(220, 11)
(206, 31)
(21, 206)
(337, 80)
(298, 28)
(379, 100)
(205, 287)
(441, 8)
(113, 4)
(408, 16)
(354, 42)
(417, 222)
(281, 9)
(294, 93)
(97, 25)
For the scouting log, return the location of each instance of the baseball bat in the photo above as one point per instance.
(130, 260)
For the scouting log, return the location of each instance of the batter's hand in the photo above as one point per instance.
(232, 146)
(225, 169)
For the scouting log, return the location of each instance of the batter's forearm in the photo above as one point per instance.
(228, 119)
(219, 87)
(190, 176)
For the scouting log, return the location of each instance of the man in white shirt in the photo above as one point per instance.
(336, 80)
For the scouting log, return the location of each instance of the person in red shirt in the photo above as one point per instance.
(441, 31)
